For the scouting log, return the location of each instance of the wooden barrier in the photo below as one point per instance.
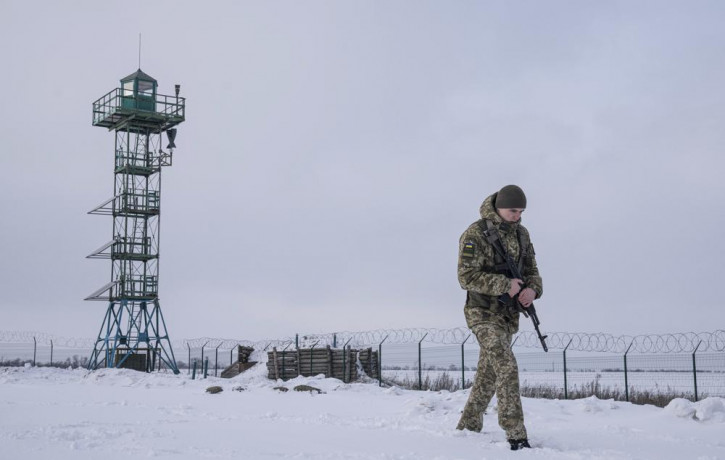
(242, 363)
(331, 362)
(369, 361)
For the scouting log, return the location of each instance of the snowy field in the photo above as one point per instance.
(48, 413)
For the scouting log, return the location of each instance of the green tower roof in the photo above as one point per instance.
(139, 75)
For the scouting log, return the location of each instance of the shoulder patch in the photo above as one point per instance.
(469, 250)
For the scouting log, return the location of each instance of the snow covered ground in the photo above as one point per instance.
(48, 413)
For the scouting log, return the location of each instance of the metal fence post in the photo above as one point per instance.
(420, 364)
(380, 361)
(35, 348)
(202, 353)
(334, 340)
(344, 360)
(216, 358)
(297, 340)
(206, 367)
(694, 368)
(193, 372)
(566, 391)
(188, 369)
(51, 353)
(463, 364)
(626, 383)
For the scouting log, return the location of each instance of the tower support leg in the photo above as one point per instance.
(133, 335)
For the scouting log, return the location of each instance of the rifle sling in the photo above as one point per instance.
(491, 234)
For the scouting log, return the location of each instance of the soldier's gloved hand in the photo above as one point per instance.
(515, 287)
(526, 297)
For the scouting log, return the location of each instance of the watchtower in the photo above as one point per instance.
(133, 333)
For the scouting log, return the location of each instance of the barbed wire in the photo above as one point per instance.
(687, 342)
(650, 343)
(581, 341)
(45, 339)
(226, 344)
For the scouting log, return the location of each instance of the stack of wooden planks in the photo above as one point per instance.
(331, 362)
(369, 362)
(242, 364)
(243, 354)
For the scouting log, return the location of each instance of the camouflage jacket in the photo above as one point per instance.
(478, 273)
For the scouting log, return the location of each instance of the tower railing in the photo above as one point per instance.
(133, 248)
(126, 159)
(111, 107)
(137, 202)
(137, 287)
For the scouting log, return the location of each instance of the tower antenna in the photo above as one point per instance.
(139, 50)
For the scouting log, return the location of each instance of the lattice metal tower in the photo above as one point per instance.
(133, 333)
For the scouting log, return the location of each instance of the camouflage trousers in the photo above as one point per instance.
(497, 373)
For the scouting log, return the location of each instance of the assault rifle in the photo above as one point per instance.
(530, 311)
(489, 231)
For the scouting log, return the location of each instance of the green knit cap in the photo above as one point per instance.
(511, 196)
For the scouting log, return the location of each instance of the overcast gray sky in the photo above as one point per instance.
(334, 151)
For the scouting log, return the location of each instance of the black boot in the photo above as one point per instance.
(517, 444)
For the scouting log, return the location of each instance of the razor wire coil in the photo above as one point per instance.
(686, 342)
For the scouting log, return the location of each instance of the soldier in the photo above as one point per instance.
(484, 274)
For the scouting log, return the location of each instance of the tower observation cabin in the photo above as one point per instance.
(133, 333)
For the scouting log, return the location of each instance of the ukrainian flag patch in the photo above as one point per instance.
(469, 250)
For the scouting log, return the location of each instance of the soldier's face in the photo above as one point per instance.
(510, 214)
